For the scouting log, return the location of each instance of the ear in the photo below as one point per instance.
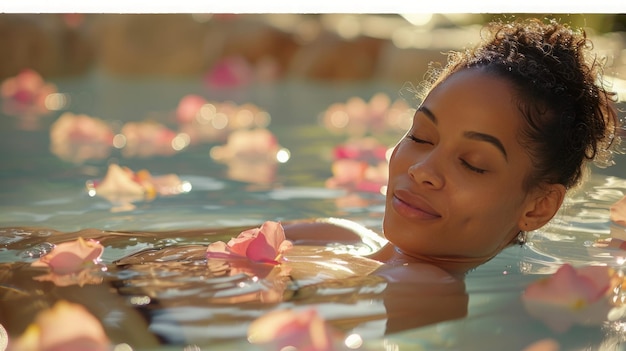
(542, 206)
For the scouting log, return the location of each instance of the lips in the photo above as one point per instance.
(411, 206)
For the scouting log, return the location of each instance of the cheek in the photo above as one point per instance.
(401, 158)
(485, 205)
(492, 216)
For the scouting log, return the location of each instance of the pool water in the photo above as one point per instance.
(159, 292)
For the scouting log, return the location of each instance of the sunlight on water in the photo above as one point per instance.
(155, 287)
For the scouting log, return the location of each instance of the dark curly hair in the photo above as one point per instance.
(570, 117)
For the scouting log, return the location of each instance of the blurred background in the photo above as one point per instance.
(324, 47)
(238, 106)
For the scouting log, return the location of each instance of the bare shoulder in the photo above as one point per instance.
(330, 230)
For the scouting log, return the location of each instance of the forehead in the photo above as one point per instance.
(477, 89)
(473, 100)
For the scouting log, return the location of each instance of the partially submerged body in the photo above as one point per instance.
(178, 289)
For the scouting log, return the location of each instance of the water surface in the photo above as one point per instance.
(156, 282)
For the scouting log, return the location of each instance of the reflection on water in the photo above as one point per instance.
(163, 280)
(584, 219)
(246, 163)
(167, 283)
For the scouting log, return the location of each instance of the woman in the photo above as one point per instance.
(504, 131)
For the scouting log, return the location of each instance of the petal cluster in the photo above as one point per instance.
(571, 296)
(26, 93)
(359, 164)
(265, 244)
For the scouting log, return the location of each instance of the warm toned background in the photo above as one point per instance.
(346, 47)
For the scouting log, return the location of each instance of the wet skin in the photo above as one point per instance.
(455, 196)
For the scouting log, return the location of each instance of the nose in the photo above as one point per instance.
(427, 172)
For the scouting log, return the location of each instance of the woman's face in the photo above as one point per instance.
(455, 180)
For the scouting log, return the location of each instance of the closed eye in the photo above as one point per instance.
(463, 162)
(472, 168)
(418, 140)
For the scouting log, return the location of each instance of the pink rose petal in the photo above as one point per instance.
(119, 180)
(66, 326)
(264, 244)
(239, 245)
(123, 184)
(219, 249)
(189, 107)
(78, 138)
(571, 296)
(230, 72)
(282, 329)
(71, 257)
(26, 93)
(274, 234)
(261, 251)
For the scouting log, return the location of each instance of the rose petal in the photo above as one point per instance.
(119, 180)
(262, 244)
(599, 276)
(274, 233)
(65, 326)
(571, 296)
(565, 287)
(285, 246)
(240, 244)
(219, 249)
(62, 263)
(261, 251)
(70, 257)
(189, 107)
(304, 330)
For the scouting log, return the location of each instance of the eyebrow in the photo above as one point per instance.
(471, 135)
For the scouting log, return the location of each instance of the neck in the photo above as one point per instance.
(455, 266)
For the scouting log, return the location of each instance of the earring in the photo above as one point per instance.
(521, 238)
